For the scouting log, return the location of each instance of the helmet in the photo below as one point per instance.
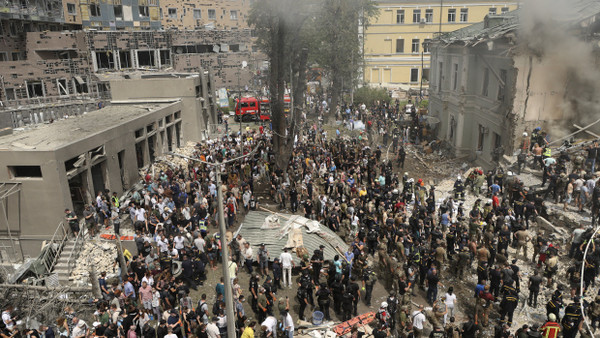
(384, 305)
(524, 134)
(393, 293)
(552, 317)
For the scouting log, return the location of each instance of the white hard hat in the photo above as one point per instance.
(384, 305)
(524, 134)
(458, 177)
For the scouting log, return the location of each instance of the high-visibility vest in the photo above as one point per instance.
(550, 330)
(547, 152)
(202, 225)
(115, 201)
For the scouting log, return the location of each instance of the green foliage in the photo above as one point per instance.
(368, 95)
(424, 104)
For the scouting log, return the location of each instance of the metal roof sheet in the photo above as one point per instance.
(251, 231)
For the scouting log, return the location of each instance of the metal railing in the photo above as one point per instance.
(77, 247)
(54, 247)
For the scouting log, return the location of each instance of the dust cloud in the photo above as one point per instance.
(552, 31)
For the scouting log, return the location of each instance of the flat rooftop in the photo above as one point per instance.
(52, 136)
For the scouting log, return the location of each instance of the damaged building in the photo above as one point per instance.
(64, 66)
(64, 164)
(494, 80)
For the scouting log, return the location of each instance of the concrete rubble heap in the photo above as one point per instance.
(99, 254)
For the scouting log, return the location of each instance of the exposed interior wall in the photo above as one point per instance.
(228, 14)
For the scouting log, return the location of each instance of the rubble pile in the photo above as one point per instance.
(164, 163)
(99, 254)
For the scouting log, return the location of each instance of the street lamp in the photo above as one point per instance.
(225, 249)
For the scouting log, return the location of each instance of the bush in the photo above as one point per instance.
(368, 95)
(424, 104)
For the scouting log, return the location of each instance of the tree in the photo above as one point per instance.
(281, 30)
(338, 47)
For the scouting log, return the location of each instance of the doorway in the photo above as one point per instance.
(77, 187)
(98, 177)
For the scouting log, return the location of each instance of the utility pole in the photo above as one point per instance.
(222, 230)
(225, 257)
(441, 10)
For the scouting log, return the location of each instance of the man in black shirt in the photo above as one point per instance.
(534, 288)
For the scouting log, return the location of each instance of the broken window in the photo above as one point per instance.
(165, 57)
(399, 45)
(440, 73)
(497, 140)
(451, 15)
(3, 56)
(400, 16)
(429, 15)
(414, 75)
(481, 138)
(118, 12)
(415, 45)
(125, 59)
(233, 15)
(71, 9)
(139, 133)
(464, 14)
(13, 28)
(197, 14)
(146, 58)
(486, 82)
(198, 91)
(94, 9)
(416, 15)
(35, 89)
(172, 12)
(503, 75)
(10, 93)
(81, 86)
(504, 10)
(105, 60)
(212, 14)
(25, 171)
(63, 88)
(234, 48)
(492, 11)
(139, 154)
(455, 77)
(16, 56)
(144, 12)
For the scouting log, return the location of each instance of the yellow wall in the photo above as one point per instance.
(185, 14)
(387, 67)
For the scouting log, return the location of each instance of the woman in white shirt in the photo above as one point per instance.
(450, 300)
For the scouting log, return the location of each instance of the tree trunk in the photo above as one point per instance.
(277, 93)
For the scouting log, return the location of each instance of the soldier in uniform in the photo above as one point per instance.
(263, 304)
(337, 290)
(463, 261)
(323, 300)
(302, 297)
(369, 280)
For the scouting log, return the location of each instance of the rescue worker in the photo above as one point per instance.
(551, 328)
(509, 303)
(459, 189)
(572, 321)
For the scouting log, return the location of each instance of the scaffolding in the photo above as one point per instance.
(10, 223)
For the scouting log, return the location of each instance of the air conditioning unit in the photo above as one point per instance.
(423, 20)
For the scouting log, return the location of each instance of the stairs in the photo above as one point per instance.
(61, 268)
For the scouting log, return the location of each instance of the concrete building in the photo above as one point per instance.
(395, 44)
(63, 164)
(194, 90)
(221, 15)
(120, 14)
(491, 81)
(20, 17)
(64, 65)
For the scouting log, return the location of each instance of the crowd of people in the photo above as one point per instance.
(402, 234)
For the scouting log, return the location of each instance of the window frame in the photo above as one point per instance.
(415, 43)
(464, 15)
(452, 15)
(416, 16)
(400, 14)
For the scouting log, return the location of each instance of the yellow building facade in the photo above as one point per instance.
(395, 43)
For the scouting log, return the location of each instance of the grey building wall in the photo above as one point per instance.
(467, 95)
(43, 199)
